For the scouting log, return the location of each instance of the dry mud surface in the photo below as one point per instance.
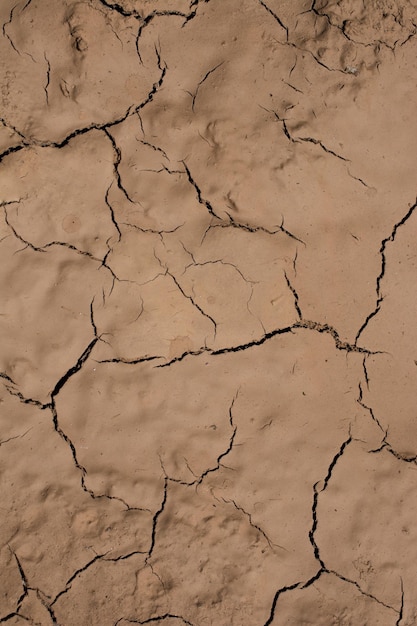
(208, 248)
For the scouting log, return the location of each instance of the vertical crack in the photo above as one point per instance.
(382, 252)
(155, 519)
(317, 492)
(116, 163)
(48, 77)
(295, 294)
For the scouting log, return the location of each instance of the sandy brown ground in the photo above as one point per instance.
(208, 312)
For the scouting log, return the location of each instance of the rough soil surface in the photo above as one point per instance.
(208, 247)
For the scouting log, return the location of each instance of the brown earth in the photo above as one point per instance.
(208, 312)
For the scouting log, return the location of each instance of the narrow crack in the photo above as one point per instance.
(131, 110)
(270, 543)
(193, 302)
(285, 589)
(26, 243)
(313, 140)
(228, 449)
(153, 620)
(5, 34)
(71, 579)
(155, 520)
(117, 160)
(401, 613)
(48, 79)
(206, 75)
(317, 492)
(276, 18)
(368, 408)
(253, 229)
(359, 588)
(142, 359)
(295, 294)
(255, 342)
(200, 198)
(112, 216)
(24, 580)
(382, 249)
(385, 445)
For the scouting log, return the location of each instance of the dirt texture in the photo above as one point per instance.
(208, 262)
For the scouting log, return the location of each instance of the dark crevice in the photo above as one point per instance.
(295, 294)
(157, 85)
(359, 588)
(177, 359)
(275, 16)
(142, 359)
(385, 445)
(280, 592)
(132, 109)
(75, 575)
(5, 34)
(367, 408)
(317, 492)
(155, 520)
(226, 452)
(24, 582)
(193, 302)
(313, 140)
(384, 243)
(270, 543)
(326, 328)
(74, 369)
(156, 619)
(253, 229)
(401, 613)
(12, 150)
(255, 342)
(317, 142)
(113, 219)
(26, 243)
(200, 198)
(207, 74)
(48, 79)
(118, 158)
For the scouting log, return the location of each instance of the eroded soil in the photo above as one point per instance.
(208, 312)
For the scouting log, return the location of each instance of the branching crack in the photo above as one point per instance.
(118, 158)
(367, 408)
(228, 449)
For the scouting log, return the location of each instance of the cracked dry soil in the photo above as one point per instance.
(208, 312)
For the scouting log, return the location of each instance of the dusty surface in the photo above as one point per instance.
(208, 312)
